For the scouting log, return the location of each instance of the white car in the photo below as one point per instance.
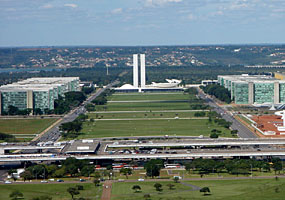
(140, 179)
(43, 181)
(7, 182)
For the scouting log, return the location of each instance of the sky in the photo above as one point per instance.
(140, 22)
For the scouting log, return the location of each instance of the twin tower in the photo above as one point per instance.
(136, 70)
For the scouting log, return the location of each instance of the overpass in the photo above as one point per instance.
(201, 142)
(4, 149)
(191, 155)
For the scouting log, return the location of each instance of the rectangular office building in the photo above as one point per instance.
(36, 93)
(254, 89)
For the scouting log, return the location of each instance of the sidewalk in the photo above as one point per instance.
(107, 190)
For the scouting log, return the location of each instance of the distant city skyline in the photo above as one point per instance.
(140, 22)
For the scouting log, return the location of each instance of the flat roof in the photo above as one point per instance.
(83, 146)
(251, 78)
(37, 84)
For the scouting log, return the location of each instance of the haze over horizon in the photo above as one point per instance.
(140, 22)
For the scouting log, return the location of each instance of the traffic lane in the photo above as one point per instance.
(71, 116)
(243, 132)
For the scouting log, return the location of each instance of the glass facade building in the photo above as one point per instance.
(36, 93)
(254, 89)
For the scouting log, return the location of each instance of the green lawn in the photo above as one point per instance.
(261, 189)
(146, 106)
(192, 127)
(56, 191)
(149, 96)
(24, 126)
(171, 101)
(128, 122)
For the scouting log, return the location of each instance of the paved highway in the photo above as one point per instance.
(53, 134)
(243, 132)
(195, 154)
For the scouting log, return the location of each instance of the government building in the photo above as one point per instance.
(36, 93)
(255, 89)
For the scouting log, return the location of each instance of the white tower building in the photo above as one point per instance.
(142, 57)
(135, 71)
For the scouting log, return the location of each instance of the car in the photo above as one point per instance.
(140, 179)
(43, 181)
(82, 180)
(7, 182)
(60, 180)
(121, 180)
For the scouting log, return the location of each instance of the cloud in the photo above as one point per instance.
(47, 6)
(160, 2)
(71, 5)
(117, 11)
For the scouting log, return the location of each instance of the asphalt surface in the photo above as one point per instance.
(243, 132)
(53, 134)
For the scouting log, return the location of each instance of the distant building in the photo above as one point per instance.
(209, 82)
(280, 76)
(36, 93)
(170, 85)
(254, 89)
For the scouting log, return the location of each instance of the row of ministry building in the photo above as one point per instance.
(36, 93)
(255, 89)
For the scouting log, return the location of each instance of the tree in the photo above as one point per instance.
(205, 190)
(170, 186)
(59, 173)
(96, 182)
(16, 194)
(158, 187)
(72, 191)
(87, 170)
(214, 135)
(188, 167)
(234, 132)
(74, 96)
(38, 171)
(200, 114)
(90, 107)
(153, 167)
(26, 175)
(7, 137)
(12, 110)
(38, 111)
(71, 127)
(126, 171)
(82, 118)
(146, 196)
(136, 188)
(176, 179)
(79, 187)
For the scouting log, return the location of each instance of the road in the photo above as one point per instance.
(243, 132)
(53, 134)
